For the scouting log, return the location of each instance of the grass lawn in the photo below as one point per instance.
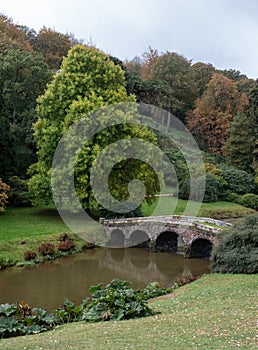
(23, 229)
(216, 210)
(214, 312)
(19, 223)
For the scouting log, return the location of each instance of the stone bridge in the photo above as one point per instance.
(193, 235)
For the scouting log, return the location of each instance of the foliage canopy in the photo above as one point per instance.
(88, 80)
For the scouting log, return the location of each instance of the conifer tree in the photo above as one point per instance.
(240, 144)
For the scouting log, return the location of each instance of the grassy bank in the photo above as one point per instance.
(23, 229)
(214, 312)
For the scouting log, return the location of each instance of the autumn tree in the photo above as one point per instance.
(88, 80)
(12, 36)
(149, 58)
(53, 45)
(241, 142)
(211, 118)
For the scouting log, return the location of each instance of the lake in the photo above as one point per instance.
(48, 284)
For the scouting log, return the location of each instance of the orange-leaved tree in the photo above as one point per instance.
(214, 111)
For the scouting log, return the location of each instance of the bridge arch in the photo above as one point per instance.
(200, 248)
(167, 241)
(117, 239)
(139, 238)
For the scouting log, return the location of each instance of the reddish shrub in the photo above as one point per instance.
(46, 249)
(66, 246)
(29, 255)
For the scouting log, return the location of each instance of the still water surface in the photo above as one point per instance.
(48, 284)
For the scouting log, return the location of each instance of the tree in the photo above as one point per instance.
(5, 146)
(146, 91)
(23, 77)
(88, 80)
(12, 36)
(150, 58)
(53, 45)
(175, 72)
(201, 74)
(214, 111)
(134, 66)
(253, 114)
(241, 143)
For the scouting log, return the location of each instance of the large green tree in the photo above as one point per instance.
(23, 77)
(175, 72)
(253, 114)
(88, 80)
(241, 142)
(201, 74)
(146, 91)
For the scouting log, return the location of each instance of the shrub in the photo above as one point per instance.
(116, 301)
(237, 251)
(69, 312)
(4, 188)
(46, 249)
(29, 255)
(215, 171)
(19, 192)
(20, 319)
(213, 188)
(230, 196)
(249, 200)
(66, 246)
(238, 181)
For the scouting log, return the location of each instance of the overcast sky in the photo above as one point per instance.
(221, 32)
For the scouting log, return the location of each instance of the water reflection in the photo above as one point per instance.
(48, 284)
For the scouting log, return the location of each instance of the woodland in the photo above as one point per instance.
(50, 79)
